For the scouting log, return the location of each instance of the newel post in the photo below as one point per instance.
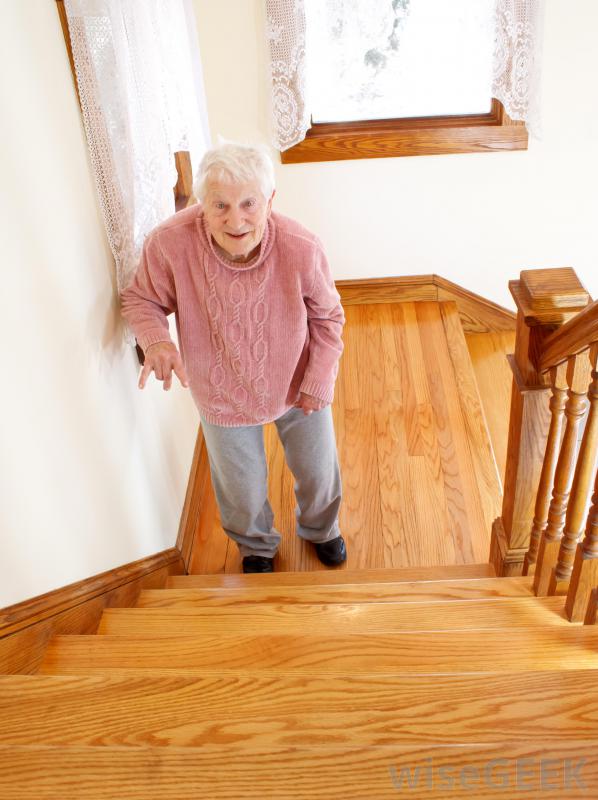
(545, 299)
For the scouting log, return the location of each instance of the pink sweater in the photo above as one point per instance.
(251, 336)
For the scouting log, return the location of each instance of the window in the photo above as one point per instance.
(401, 77)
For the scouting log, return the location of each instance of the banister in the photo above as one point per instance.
(545, 299)
(574, 336)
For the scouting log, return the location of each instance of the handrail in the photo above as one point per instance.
(570, 339)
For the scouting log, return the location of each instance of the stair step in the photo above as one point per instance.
(409, 591)
(339, 617)
(220, 772)
(331, 577)
(550, 648)
(254, 710)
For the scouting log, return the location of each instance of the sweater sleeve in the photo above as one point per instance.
(325, 319)
(150, 296)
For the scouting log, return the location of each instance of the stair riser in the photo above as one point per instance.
(363, 593)
(333, 577)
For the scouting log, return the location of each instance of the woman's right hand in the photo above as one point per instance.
(163, 358)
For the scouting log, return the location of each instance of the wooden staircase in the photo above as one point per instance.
(378, 678)
(303, 685)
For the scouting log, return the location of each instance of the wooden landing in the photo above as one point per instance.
(421, 485)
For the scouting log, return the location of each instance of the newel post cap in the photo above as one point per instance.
(549, 296)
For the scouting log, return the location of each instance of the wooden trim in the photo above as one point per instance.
(394, 289)
(197, 488)
(573, 337)
(15, 617)
(183, 190)
(67, 40)
(26, 628)
(478, 314)
(383, 138)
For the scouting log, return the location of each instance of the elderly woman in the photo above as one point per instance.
(259, 324)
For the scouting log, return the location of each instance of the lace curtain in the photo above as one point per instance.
(139, 83)
(516, 66)
(517, 59)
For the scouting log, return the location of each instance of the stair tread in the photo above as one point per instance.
(341, 617)
(341, 593)
(254, 710)
(335, 772)
(334, 576)
(567, 647)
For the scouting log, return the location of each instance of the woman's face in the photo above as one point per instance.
(236, 214)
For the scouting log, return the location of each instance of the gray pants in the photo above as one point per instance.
(240, 479)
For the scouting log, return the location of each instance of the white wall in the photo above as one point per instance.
(477, 219)
(93, 471)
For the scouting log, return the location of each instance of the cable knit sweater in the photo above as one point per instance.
(251, 336)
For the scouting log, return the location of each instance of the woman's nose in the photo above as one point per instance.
(236, 219)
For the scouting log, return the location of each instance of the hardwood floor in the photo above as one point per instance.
(488, 353)
(420, 482)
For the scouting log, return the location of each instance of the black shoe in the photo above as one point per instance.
(258, 564)
(333, 552)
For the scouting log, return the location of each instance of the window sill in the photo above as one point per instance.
(424, 136)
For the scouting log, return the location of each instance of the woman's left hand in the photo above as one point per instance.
(309, 403)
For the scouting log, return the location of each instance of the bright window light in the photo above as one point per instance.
(380, 59)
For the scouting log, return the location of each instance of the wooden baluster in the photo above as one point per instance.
(592, 609)
(585, 471)
(584, 578)
(545, 299)
(577, 381)
(558, 377)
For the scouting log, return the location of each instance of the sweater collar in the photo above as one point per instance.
(265, 245)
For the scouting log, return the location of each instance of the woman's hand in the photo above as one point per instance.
(309, 403)
(163, 358)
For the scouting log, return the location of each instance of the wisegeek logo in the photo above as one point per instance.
(523, 774)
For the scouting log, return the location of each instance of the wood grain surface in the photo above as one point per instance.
(420, 483)
(338, 617)
(343, 593)
(186, 711)
(334, 576)
(488, 352)
(548, 648)
(336, 772)
(28, 627)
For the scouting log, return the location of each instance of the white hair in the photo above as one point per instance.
(235, 163)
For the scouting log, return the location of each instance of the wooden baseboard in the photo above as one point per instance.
(25, 628)
(477, 314)
(194, 500)
(399, 289)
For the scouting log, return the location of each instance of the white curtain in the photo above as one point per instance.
(516, 67)
(517, 59)
(142, 99)
(285, 31)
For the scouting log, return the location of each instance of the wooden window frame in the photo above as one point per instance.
(416, 136)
